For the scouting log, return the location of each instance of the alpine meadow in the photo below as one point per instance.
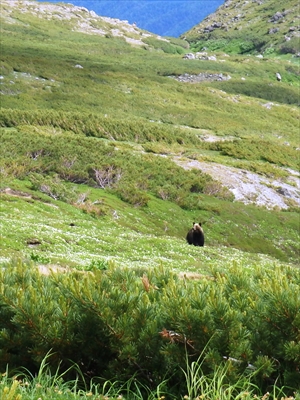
(115, 143)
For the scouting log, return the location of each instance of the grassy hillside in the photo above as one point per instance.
(269, 27)
(109, 119)
(112, 144)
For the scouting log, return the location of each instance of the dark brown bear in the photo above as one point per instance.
(195, 235)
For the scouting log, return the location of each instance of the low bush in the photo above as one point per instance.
(95, 126)
(259, 150)
(53, 187)
(291, 46)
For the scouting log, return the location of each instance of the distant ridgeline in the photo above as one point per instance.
(163, 17)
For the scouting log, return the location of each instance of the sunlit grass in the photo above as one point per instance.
(126, 236)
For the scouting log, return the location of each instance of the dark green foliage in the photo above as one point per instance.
(291, 46)
(121, 322)
(179, 42)
(231, 46)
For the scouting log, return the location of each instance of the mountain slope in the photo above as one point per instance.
(245, 26)
(110, 133)
(79, 19)
(162, 17)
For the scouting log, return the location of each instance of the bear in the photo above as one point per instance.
(195, 235)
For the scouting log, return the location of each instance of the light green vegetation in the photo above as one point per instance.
(106, 229)
(66, 123)
(51, 386)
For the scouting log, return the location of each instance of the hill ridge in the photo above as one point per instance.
(261, 26)
(80, 18)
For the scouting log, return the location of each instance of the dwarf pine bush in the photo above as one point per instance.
(120, 322)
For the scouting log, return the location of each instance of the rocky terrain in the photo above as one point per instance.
(267, 25)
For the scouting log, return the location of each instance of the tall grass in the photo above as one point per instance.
(22, 385)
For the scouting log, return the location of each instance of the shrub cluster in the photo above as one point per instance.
(259, 150)
(117, 323)
(98, 126)
(48, 158)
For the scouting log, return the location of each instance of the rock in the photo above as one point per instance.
(273, 30)
(268, 105)
(283, 191)
(189, 56)
(33, 242)
(276, 17)
(249, 187)
(189, 78)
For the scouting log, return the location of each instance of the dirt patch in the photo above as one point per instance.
(48, 269)
(15, 193)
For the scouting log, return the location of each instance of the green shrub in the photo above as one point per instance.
(95, 126)
(132, 195)
(263, 90)
(52, 186)
(179, 42)
(50, 159)
(165, 46)
(234, 46)
(259, 150)
(291, 46)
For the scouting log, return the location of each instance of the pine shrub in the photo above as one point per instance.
(120, 322)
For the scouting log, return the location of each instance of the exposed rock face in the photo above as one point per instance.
(189, 78)
(251, 188)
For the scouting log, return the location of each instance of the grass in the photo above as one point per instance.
(52, 386)
(147, 236)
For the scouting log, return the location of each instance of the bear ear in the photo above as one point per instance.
(200, 224)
